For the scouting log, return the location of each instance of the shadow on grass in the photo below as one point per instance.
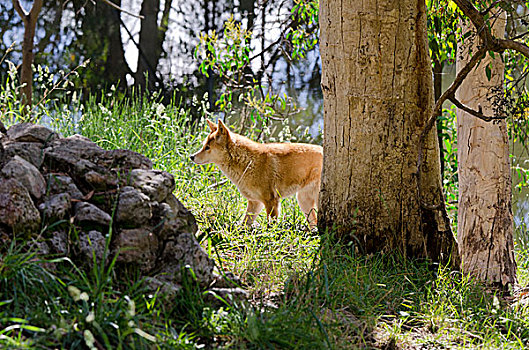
(388, 302)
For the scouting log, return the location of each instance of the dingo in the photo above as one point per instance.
(264, 173)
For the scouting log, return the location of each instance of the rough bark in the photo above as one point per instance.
(378, 96)
(485, 224)
(30, 23)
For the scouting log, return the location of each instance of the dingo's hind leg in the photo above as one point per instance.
(252, 211)
(273, 208)
(308, 202)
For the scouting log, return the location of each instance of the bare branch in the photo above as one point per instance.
(507, 44)
(108, 2)
(20, 10)
(488, 40)
(478, 21)
(450, 93)
(520, 35)
(475, 113)
(484, 13)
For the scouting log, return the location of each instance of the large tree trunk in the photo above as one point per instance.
(26, 74)
(485, 226)
(377, 86)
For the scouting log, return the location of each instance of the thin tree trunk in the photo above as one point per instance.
(485, 224)
(148, 45)
(378, 95)
(30, 22)
(116, 67)
(209, 24)
(437, 91)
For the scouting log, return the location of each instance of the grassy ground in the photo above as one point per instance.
(303, 292)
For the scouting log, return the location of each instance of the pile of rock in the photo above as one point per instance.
(73, 198)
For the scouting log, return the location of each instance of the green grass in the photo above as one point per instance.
(304, 291)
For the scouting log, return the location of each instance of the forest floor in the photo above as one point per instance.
(304, 292)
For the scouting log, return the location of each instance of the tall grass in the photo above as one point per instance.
(305, 291)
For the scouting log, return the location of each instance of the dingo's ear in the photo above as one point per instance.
(212, 126)
(223, 130)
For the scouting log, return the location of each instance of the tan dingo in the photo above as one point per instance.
(265, 173)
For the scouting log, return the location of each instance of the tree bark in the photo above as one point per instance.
(378, 96)
(152, 36)
(485, 224)
(116, 67)
(26, 73)
(437, 91)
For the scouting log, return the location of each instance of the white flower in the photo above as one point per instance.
(74, 292)
(91, 317)
(84, 296)
(131, 310)
(89, 338)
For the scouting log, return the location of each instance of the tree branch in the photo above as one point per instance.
(450, 93)
(517, 46)
(475, 113)
(110, 3)
(478, 21)
(35, 10)
(484, 13)
(20, 10)
(490, 42)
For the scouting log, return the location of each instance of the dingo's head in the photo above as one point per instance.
(214, 145)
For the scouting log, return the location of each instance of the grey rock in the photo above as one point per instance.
(57, 183)
(100, 181)
(162, 285)
(75, 156)
(138, 246)
(79, 146)
(185, 252)
(29, 132)
(39, 247)
(17, 210)
(26, 173)
(96, 167)
(175, 218)
(154, 183)
(56, 207)
(30, 151)
(134, 208)
(59, 242)
(87, 214)
(90, 244)
(169, 224)
(124, 159)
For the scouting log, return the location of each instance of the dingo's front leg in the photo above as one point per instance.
(252, 211)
